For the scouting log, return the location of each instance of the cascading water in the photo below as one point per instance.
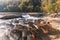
(8, 31)
(5, 30)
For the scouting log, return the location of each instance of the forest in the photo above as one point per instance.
(46, 6)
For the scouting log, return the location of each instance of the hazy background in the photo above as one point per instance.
(9, 5)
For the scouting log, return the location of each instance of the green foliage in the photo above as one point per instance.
(52, 6)
(30, 6)
(45, 6)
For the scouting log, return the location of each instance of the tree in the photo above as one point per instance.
(30, 6)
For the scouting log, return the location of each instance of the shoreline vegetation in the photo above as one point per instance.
(45, 6)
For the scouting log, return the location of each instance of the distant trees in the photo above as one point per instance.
(50, 6)
(9, 6)
(46, 6)
(30, 6)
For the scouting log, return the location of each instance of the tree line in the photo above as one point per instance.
(45, 6)
(52, 6)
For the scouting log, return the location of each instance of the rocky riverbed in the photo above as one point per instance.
(6, 30)
(55, 24)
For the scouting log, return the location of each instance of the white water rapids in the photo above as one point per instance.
(5, 31)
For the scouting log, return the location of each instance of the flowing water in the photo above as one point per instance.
(6, 27)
